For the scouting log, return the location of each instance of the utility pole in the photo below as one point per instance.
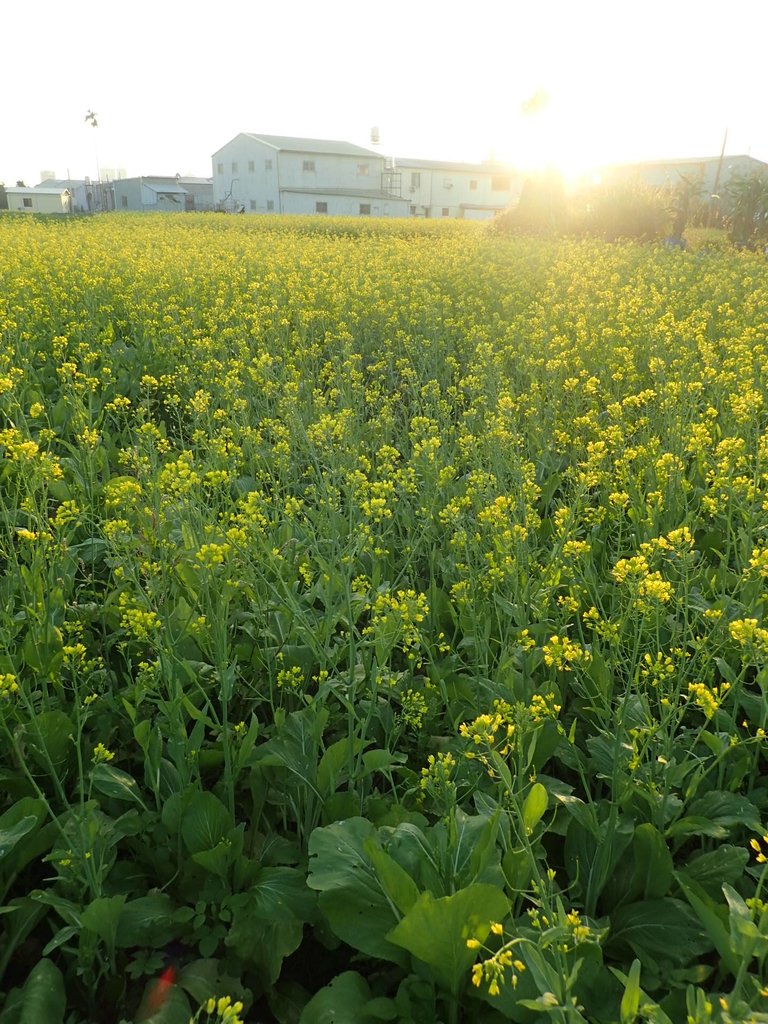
(716, 187)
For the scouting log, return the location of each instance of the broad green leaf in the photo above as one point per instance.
(268, 921)
(333, 768)
(102, 916)
(713, 919)
(340, 1002)
(115, 783)
(204, 822)
(726, 809)
(13, 834)
(644, 872)
(747, 940)
(534, 807)
(147, 921)
(666, 930)
(436, 930)
(352, 897)
(710, 870)
(44, 996)
(397, 883)
(296, 745)
(49, 740)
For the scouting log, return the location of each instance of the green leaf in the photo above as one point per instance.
(49, 740)
(353, 899)
(665, 930)
(13, 834)
(630, 1001)
(395, 880)
(726, 809)
(44, 999)
(644, 873)
(268, 921)
(102, 916)
(115, 783)
(204, 822)
(436, 930)
(341, 1002)
(710, 870)
(147, 921)
(712, 917)
(534, 807)
(296, 746)
(333, 768)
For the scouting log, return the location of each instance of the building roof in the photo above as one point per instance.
(167, 185)
(356, 193)
(60, 183)
(690, 161)
(30, 190)
(295, 144)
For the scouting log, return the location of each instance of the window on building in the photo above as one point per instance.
(501, 183)
(251, 166)
(270, 204)
(415, 179)
(27, 201)
(234, 166)
(220, 167)
(253, 204)
(446, 211)
(365, 209)
(321, 207)
(473, 185)
(267, 165)
(309, 165)
(124, 202)
(363, 169)
(413, 209)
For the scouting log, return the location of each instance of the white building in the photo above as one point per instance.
(280, 174)
(163, 194)
(38, 200)
(86, 196)
(439, 188)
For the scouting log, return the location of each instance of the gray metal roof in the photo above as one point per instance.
(299, 145)
(17, 190)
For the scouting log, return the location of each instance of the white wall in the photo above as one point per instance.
(252, 174)
(445, 188)
(343, 206)
(41, 202)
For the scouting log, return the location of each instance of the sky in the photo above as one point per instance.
(573, 85)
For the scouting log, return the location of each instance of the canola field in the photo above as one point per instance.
(383, 625)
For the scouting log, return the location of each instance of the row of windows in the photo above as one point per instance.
(308, 166)
(499, 182)
(270, 205)
(365, 208)
(235, 165)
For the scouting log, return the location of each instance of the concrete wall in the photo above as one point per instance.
(245, 172)
(33, 200)
(343, 205)
(434, 190)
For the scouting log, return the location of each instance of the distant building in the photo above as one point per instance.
(706, 175)
(281, 174)
(439, 188)
(163, 194)
(87, 196)
(38, 200)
